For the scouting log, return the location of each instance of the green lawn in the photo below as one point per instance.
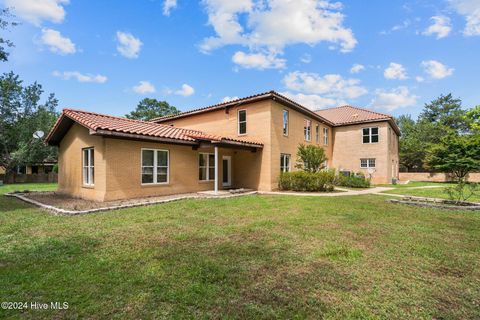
(415, 184)
(247, 257)
(430, 193)
(28, 186)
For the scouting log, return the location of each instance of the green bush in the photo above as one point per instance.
(307, 181)
(357, 180)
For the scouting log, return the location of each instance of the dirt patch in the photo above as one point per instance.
(66, 202)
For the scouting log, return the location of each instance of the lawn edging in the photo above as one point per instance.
(64, 212)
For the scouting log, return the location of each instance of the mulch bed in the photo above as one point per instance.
(438, 203)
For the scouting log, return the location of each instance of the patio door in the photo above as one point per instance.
(227, 171)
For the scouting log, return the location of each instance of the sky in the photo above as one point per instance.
(105, 56)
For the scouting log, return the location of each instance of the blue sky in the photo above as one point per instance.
(105, 56)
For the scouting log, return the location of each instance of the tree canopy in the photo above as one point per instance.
(22, 114)
(310, 158)
(4, 24)
(148, 109)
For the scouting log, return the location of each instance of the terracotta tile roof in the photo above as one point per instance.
(101, 123)
(346, 115)
(253, 98)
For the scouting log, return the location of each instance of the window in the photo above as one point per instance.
(155, 166)
(206, 166)
(370, 135)
(284, 162)
(367, 163)
(317, 134)
(325, 136)
(88, 166)
(242, 121)
(307, 127)
(285, 122)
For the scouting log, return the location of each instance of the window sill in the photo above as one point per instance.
(206, 181)
(148, 185)
(88, 186)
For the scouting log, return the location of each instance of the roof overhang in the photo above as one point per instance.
(389, 120)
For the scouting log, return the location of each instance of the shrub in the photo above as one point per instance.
(310, 158)
(307, 181)
(357, 180)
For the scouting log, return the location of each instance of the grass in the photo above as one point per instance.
(430, 193)
(416, 184)
(28, 186)
(247, 257)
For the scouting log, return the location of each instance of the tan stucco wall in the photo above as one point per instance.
(349, 148)
(259, 124)
(281, 144)
(70, 164)
(434, 177)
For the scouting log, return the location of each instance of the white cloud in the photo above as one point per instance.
(35, 11)
(470, 9)
(357, 68)
(185, 91)
(67, 75)
(128, 46)
(436, 69)
(313, 101)
(56, 42)
(306, 58)
(258, 60)
(395, 71)
(441, 27)
(396, 98)
(168, 5)
(144, 87)
(316, 91)
(419, 79)
(271, 25)
(228, 98)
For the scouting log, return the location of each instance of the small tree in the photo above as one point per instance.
(148, 109)
(310, 158)
(458, 155)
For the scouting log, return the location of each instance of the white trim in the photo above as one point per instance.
(238, 122)
(368, 160)
(155, 166)
(317, 133)
(229, 182)
(90, 168)
(309, 130)
(286, 155)
(206, 166)
(326, 132)
(370, 135)
(283, 121)
(216, 170)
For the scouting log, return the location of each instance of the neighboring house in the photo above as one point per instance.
(44, 167)
(245, 143)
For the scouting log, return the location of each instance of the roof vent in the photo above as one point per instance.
(355, 115)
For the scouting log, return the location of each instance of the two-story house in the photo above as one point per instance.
(245, 143)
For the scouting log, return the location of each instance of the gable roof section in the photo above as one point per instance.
(106, 125)
(250, 99)
(348, 115)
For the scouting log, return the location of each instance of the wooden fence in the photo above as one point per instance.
(30, 178)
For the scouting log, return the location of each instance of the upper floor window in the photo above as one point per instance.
(285, 122)
(206, 166)
(242, 121)
(284, 162)
(155, 166)
(307, 130)
(370, 135)
(325, 136)
(317, 133)
(88, 166)
(367, 163)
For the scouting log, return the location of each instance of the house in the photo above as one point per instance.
(245, 143)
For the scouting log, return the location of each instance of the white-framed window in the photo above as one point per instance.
(367, 163)
(206, 166)
(285, 122)
(370, 135)
(284, 162)
(307, 129)
(325, 136)
(88, 157)
(317, 134)
(155, 166)
(242, 121)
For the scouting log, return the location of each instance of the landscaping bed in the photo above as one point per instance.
(438, 203)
